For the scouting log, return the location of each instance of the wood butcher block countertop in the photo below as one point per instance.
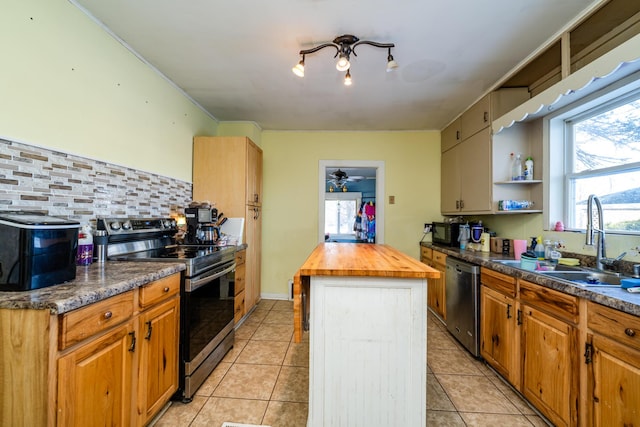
(362, 259)
(352, 260)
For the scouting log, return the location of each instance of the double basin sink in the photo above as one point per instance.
(577, 275)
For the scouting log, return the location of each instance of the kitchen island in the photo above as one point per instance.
(367, 310)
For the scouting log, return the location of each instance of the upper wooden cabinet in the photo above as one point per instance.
(451, 135)
(227, 171)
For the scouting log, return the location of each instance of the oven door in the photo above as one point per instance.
(207, 321)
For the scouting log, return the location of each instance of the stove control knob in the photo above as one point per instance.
(115, 225)
(126, 225)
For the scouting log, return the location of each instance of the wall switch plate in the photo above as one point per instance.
(392, 200)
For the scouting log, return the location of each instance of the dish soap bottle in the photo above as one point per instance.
(539, 249)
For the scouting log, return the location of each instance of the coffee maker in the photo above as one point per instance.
(201, 229)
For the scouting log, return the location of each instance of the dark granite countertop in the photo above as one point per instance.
(610, 296)
(92, 284)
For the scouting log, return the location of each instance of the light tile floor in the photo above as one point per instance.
(264, 379)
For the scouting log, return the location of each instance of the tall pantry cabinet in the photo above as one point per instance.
(227, 171)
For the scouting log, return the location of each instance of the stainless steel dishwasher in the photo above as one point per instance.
(463, 303)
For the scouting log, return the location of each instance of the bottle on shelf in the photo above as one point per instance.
(528, 169)
(517, 172)
(512, 205)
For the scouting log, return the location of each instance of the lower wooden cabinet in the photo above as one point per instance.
(549, 366)
(436, 287)
(239, 286)
(95, 381)
(529, 334)
(158, 364)
(498, 333)
(613, 357)
(110, 363)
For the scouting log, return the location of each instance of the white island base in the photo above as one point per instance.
(368, 352)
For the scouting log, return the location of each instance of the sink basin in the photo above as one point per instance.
(585, 278)
(509, 262)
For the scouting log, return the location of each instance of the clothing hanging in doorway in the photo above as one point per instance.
(365, 224)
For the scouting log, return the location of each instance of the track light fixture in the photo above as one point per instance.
(345, 46)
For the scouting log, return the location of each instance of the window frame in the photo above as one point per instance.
(352, 195)
(558, 142)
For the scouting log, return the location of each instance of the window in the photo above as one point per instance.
(340, 210)
(601, 154)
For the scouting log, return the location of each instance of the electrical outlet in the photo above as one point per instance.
(427, 228)
(392, 200)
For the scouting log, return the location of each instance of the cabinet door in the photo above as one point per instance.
(95, 380)
(451, 136)
(474, 167)
(450, 181)
(436, 292)
(158, 371)
(549, 366)
(476, 118)
(616, 378)
(254, 174)
(253, 232)
(498, 332)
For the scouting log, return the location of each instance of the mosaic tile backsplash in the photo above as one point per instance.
(74, 187)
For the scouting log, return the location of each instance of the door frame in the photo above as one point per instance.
(322, 188)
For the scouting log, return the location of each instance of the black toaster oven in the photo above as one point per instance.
(36, 250)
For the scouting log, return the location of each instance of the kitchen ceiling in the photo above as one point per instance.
(234, 58)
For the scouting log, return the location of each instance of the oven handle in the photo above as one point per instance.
(192, 285)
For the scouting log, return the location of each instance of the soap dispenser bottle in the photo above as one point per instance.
(539, 249)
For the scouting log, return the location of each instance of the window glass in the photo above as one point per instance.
(339, 216)
(603, 158)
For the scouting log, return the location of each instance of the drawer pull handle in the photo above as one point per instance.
(108, 315)
(630, 332)
(166, 289)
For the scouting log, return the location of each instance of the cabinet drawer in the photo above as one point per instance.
(159, 290)
(426, 254)
(622, 327)
(82, 323)
(549, 300)
(238, 307)
(241, 257)
(439, 257)
(498, 281)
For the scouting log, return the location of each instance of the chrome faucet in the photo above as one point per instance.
(601, 252)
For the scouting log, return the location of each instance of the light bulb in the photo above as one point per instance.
(391, 63)
(298, 70)
(343, 63)
(347, 79)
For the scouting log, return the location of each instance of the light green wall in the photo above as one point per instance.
(290, 208)
(66, 84)
(248, 129)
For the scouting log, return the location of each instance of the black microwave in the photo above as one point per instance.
(446, 234)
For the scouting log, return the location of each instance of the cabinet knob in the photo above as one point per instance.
(630, 332)
(166, 289)
(108, 315)
(485, 117)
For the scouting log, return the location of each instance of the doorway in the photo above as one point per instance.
(372, 170)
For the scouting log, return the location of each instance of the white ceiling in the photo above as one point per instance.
(234, 57)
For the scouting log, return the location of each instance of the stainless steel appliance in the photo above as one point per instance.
(462, 297)
(445, 233)
(36, 250)
(207, 291)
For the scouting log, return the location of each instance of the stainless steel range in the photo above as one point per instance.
(207, 291)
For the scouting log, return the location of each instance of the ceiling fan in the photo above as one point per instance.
(339, 179)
